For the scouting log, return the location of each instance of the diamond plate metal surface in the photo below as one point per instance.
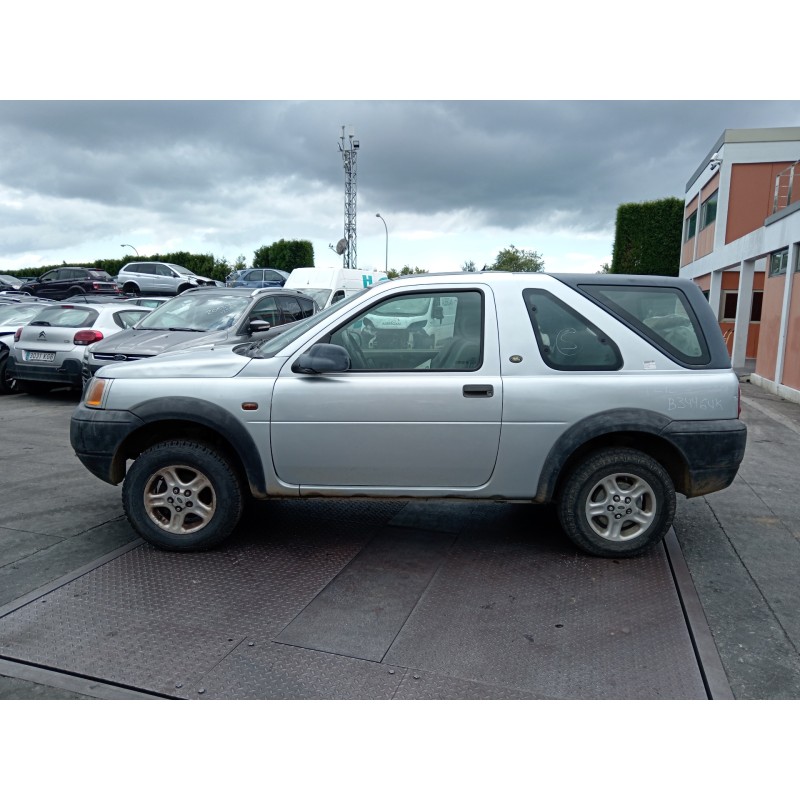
(510, 612)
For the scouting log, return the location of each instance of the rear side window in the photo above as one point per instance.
(567, 340)
(662, 314)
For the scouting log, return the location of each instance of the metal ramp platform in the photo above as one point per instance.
(347, 599)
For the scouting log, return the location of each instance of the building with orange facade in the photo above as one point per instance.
(741, 245)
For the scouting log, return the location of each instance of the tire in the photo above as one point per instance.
(8, 385)
(76, 292)
(618, 503)
(35, 387)
(131, 289)
(183, 287)
(165, 473)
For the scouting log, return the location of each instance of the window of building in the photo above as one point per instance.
(755, 310)
(691, 227)
(778, 261)
(708, 211)
(730, 300)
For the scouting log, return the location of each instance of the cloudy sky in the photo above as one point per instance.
(455, 181)
(136, 154)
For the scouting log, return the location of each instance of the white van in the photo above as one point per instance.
(329, 285)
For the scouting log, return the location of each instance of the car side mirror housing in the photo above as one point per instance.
(321, 358)
(258, 325)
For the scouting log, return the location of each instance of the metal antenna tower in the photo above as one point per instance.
(349, 150)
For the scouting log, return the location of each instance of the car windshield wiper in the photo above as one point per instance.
(191, 330)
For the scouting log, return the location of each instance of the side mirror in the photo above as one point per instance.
(322, 358)
(259, 326)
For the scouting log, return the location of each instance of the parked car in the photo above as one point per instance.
(146, 302)
(201, 318)
(64, 282)
(11, 317)
(158, 277)
(10, 282)
(13, 297)
(48, 349)
(602, 394)
(257, 278)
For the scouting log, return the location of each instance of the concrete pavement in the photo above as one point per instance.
(742, 545)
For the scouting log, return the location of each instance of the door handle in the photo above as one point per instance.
(479, 390)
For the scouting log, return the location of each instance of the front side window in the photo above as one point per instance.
(254, 275)
(436, 331)
(662, 315)
(566, 339)
(708, 211)
(290, 309)
(266, 310)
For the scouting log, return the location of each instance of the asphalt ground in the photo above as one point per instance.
(740, 545)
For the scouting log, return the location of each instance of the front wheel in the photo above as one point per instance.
(617, 503)
(182, 495)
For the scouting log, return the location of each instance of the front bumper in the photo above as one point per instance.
(96, 436)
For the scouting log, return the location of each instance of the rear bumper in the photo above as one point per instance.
(713, 452)
(67, 373)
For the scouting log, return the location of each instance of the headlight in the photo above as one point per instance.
(97, 392)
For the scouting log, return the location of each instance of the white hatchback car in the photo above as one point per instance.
(48, 350)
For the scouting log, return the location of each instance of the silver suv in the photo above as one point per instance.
(158, 277)
(604, 395)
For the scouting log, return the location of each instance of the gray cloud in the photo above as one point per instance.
(244, 167)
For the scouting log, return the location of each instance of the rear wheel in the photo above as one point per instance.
(182, 495)
(8, 384)
(131, 288)
(76, 291)
(617, 503)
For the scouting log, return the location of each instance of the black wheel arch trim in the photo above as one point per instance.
(99, 436)
(710, 450)
(225, 426)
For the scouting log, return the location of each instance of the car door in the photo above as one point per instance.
(47, 286)
(409, 413)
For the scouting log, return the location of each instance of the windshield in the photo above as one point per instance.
(406, 307)
(99, 274)
(196, 312)
(182, 270)
(272, 346)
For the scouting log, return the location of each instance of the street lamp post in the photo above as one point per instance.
(386, 266)
(132, 248)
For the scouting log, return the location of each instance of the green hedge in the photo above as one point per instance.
(648, 238)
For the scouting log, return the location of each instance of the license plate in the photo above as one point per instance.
(37, 355)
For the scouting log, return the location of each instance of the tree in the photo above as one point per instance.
(261, 257)
(647, 240)
(511, 259)
(393, 273)
(469, 266)
(604, 269)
